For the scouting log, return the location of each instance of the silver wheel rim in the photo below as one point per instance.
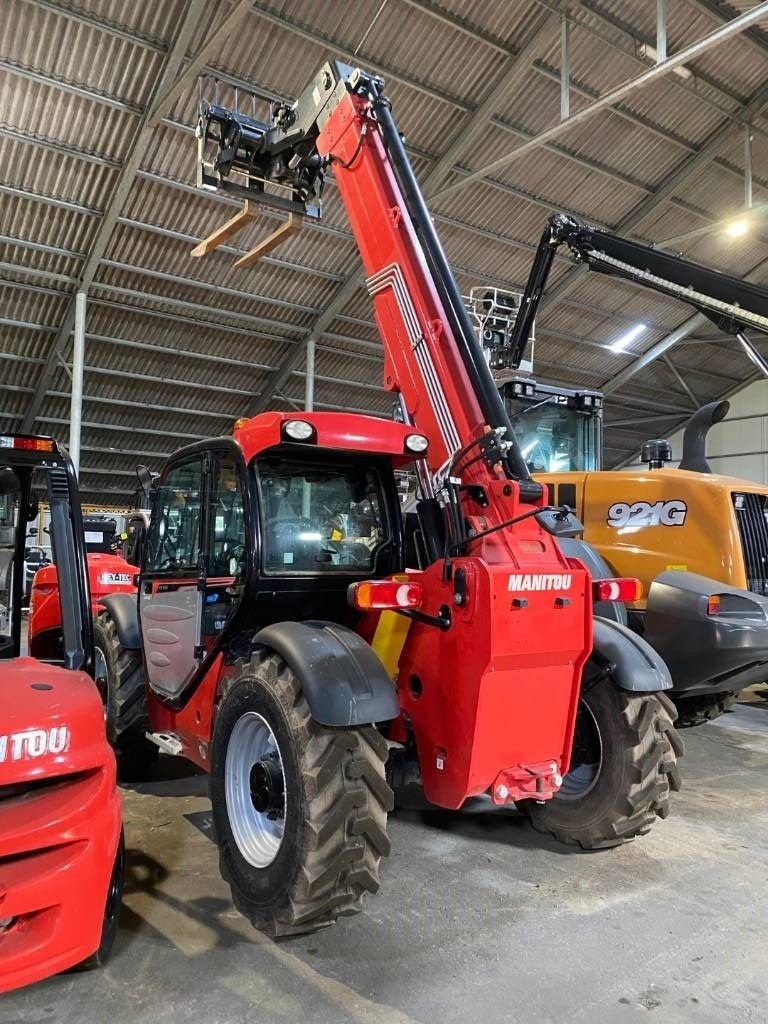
(583, 778)
(254, 787)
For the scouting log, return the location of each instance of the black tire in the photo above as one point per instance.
(623, 766)
(111, 913)
(123, 693)
(334, 818)
(702, 708)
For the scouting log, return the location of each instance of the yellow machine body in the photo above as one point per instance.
(644, 522)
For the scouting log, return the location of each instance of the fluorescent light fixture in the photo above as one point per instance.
(737, 228)
(627, 338)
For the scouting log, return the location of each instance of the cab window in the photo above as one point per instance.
(174, 539)
(327, 518)
(227, 550)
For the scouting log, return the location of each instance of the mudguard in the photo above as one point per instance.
(634, 664)
(707, 653)
(125, 614)
(342, 677)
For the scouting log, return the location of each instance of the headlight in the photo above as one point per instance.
(416, 443)
(298, 430)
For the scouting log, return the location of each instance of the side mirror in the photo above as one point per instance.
(146, 479)
(560, 522)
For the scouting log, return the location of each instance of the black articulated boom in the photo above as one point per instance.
(731, 304)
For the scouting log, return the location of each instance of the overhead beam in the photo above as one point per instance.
(687, 168)
(710, 41)
(172, 81)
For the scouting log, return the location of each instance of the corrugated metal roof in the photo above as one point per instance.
(177, 346)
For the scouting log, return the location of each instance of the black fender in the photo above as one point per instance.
(341, 675)
(125, 614)
(634, 665)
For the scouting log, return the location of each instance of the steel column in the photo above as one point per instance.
(565, 68)
(78, 361)
(661, 31)
(309, 380)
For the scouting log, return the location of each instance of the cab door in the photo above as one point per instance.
(172, 580)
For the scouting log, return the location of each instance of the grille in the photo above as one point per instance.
(752, 517)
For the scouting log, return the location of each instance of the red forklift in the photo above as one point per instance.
(277, 640)
(61, 848)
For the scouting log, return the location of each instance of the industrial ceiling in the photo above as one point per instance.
(97, 170)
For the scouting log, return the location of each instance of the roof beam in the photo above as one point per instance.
(715, 38)
(685, 170)
(172, 81)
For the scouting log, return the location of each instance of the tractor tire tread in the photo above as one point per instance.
(348, 800)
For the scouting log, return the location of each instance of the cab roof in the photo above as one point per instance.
(339, 431)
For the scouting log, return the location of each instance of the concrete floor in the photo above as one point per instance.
(478, 918)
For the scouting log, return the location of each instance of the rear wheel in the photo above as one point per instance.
(703, 708)
(623, 766)
(299, 809)
(120, 679)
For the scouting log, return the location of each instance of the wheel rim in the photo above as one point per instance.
(587, 756)
(101, 673)
(254, 787)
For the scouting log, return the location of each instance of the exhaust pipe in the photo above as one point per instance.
(695, 436)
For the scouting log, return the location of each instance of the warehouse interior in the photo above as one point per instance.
(126, 334)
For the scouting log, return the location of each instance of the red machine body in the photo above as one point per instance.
(491, 701)
(107, 574)
(59, 820)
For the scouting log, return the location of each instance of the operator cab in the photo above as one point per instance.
(34, 468)
(266, 527)
(560, 430)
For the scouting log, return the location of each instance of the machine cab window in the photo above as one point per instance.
(227, 542)
(174, 538)
(321, 518)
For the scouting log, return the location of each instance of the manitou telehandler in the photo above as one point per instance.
(697, 540)
(273, 609)
(61, 851)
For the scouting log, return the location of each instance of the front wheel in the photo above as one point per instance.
(299, 809)
(623, 766)
(111, 919)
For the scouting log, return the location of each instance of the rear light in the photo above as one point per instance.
(27, 444)
(378, 595)
(623, 588)
(713, 604)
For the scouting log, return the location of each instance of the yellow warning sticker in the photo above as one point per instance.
(680, 568)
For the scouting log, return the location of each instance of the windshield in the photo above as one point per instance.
(554, 438)
(323, 518)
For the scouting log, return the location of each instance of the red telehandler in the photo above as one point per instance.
(61, 849)
(273, 609)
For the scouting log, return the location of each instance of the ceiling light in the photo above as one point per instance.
(627, 338)
(737, 228)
